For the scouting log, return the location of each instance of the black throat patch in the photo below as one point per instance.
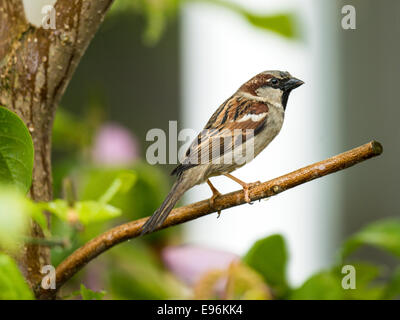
(285, 98)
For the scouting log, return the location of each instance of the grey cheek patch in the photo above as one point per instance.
(274, 95)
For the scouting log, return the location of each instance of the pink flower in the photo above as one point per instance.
(114, 145)
(189, 263)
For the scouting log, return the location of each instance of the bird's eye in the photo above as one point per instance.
(274, 81)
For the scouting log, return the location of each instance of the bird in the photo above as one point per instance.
(238, 131)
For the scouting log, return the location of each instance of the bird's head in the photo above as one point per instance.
(272, 87)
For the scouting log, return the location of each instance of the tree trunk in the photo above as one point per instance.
(36, 65)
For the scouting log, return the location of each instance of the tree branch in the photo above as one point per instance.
(78, 259)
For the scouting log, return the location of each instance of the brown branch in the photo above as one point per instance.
(78, 259)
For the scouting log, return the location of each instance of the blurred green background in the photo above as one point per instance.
(128, 82)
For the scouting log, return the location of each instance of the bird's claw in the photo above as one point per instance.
(212, 201)
(246, 194)
(246, 190)
(213, 198)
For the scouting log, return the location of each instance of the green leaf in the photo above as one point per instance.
(268, 257)
(15, 211)
(92, 211)
(16, 151)
(36, 213)
(12, 283)
(88, 294)
(366, 273)
(392, 290)
(327, 285)
(87, 212)
(141, 200)
(283, 24)
(13, 217)
(321, 286)
(383, 234)
(122, 184)
(57, 207)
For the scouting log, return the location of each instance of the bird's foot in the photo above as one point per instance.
(212, 202)
(215, 195)
(245, 186)
(246, 189)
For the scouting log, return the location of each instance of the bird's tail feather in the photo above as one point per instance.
(159, 216)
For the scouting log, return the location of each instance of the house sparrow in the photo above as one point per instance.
(237, 132)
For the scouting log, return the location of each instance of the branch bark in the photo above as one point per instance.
(78, 259)
(36, 66)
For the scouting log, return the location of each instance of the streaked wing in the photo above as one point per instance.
(233, 123)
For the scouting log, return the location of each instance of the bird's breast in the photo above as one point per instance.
(273, 127)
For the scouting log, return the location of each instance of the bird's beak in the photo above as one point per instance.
(292, 83)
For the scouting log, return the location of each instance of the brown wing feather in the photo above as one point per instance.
(219, 134)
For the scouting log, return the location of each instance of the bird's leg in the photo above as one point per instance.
(215, 195)
(245, 186)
